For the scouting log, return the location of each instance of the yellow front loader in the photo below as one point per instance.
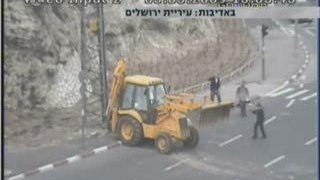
(139, 107)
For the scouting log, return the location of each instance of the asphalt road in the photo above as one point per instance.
(290, 136)
(226, 152)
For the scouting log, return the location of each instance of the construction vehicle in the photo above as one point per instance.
(140, 107)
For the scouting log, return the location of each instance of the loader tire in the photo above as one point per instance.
(164, 143)
(193, 140)
(130, 131)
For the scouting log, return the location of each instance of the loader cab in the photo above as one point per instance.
(143, 94)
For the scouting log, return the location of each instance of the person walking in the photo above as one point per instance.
(242, 96)
(215, 88)
(259, 112)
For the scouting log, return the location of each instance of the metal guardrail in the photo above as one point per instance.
(224, 79)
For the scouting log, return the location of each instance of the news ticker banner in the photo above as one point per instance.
(221, 12)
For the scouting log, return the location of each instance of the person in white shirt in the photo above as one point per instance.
(242, 96)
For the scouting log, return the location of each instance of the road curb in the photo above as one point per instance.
(303, 67)
(249, 64)
(305, 64)
(68, 160)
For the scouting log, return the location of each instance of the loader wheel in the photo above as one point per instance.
(130, 131)
(164, 143)
(193, 140)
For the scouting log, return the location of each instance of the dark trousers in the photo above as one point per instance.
(243, 105)
(255, 131)
(213, 93)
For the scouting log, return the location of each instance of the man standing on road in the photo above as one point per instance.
(242, 96)
(259, 112)
(215, 88)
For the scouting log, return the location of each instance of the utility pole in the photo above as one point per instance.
(103, 66)
(264, 31)
(82, 76)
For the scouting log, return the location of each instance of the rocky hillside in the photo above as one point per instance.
(42, 55)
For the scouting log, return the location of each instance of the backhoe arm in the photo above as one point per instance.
(117, 85)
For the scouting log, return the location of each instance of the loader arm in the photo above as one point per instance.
(182, 104)
(116, 87)
(189, 104)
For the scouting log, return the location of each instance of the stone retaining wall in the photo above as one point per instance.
(42, 52)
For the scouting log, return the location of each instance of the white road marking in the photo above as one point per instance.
(206, 167)
(281, 92)
(286, 31)
(45, 168)
(290, 103)
(310, 141)
(297, 94)
(270, 120)
(300, 71)
(306, 61)
(307, 56)
(308, 97)
(309, 32)
(20, 176)
(301, 85)
(230, 140)
(73, 158)
(176, 165)
(291, 31)
(274, 161)
(304, 65)
(306, 52)
(101, 149)
(294, 76)
(278, 88)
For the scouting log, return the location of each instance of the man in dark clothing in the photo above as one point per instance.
(242, 96)
(215, 88)
(259, 112)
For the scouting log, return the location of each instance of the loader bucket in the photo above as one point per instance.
(211, 115)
